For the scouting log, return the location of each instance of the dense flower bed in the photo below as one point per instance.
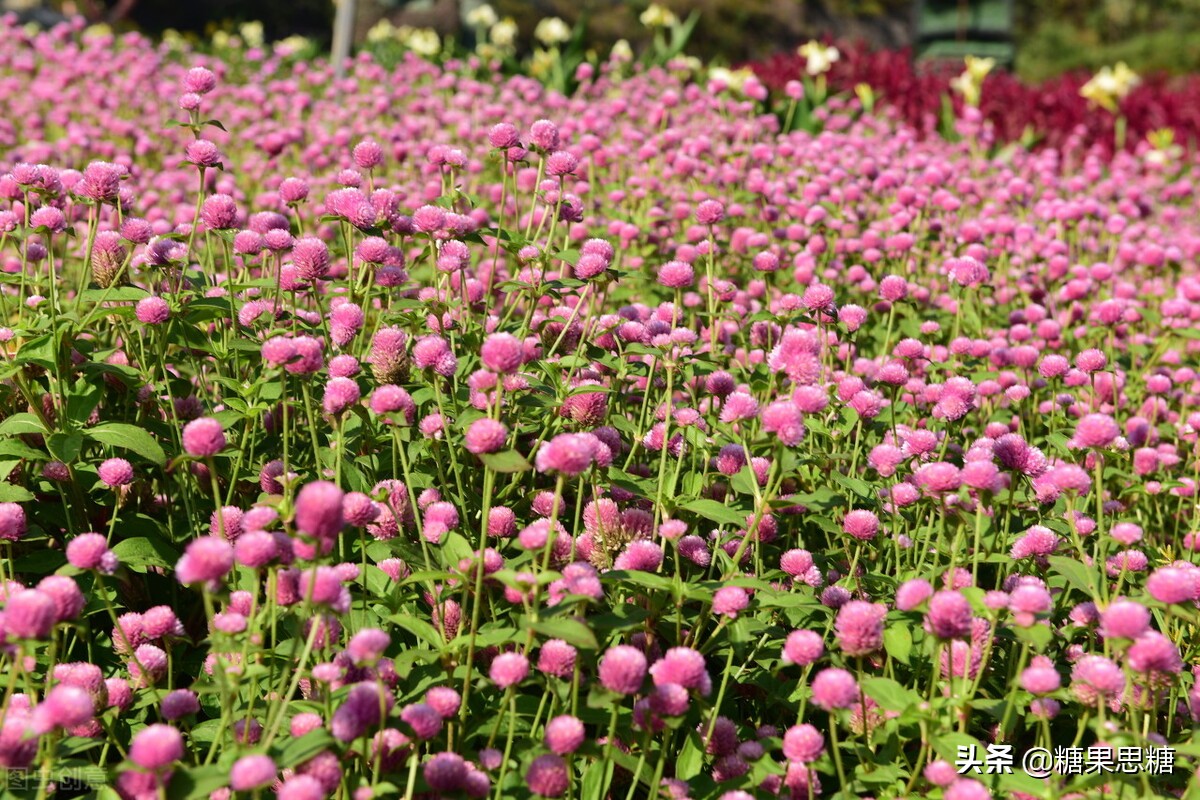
(426, 433)
(1050, 114)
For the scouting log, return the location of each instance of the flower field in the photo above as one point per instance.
(430, 433)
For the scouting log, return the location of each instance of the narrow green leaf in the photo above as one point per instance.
(130, 437)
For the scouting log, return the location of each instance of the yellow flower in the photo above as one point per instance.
(734, 79)
(820, 58)
(866, 95)
(621, 51)
(422, 41)
(504, 33)
(482, 17)
(251, 33)
(656, 16)
(968, 87)
(551, 31)
(1110, 85)
(978, 68)
(381, 31)
(541, 63)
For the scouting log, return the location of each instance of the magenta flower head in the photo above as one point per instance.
(1124, 619)
(179, 703)
(622, 669)
(568, 454)
(368, 154)
(803, 647)
(340, 394)
(676, 275)
(729, 600)
(90, 551)
(12, 522)
(152, 310)
(301, 787)
(199, 80)
(202, 153)
(803, 743)
(859, 627)
(557, 658)
(203, 437)
(1173, 584)
(710, 212)
(683, 666)
(252, 772)
(861, 524)
(547, 776)
(64, 707)
(502, 353)
(206, 560)
(509, 669)
(156, 747)
(29, 614)
(486, 435)
(311, 257)
(445, 772)
(1095, 431)
(564, 734)
(116, 472)
(949, 615)
(368, 646)
(503, 136)
(319, 510)
(835, 688)
(219, 212)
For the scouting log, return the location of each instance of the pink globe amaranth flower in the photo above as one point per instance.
(676, 275)
(1173, 584)
(367, 646)
(486, 435)
(1153, 653)
(389, 399)
(640, 555)
(508, 669)
(424, 720)
(12, 522)
(179, 703)
(739, 406)
(803, 647)
(156, 747)
(622, 669)
(219, 212)
(966, 789)
(803, 743)
(206, 559)
(445, 772)
(301, 787)
(368, 154)
(202, 153)
(340, 395)
(1040, 677)
(861, 524)
(557, 658)
(1124, 619)
(547, 776)
(684, 666)
(1095, 431)
(252, 772)
(361, 711)
(729, 600)
(783, 419)
(569, 454)
(444, 700)
(564, 734)
(255, 549)
(710, 212)
(64, 707)
(859, 627)
(502, 353)
(29, 614)
(503, 135)
(311, 257)
(199, 80)
(152, 310)
(319, 510)
(116, 472)
(203, 437)
(543, 134)
(835, 688)
(68, 600)
(949, 615)
(913, 593)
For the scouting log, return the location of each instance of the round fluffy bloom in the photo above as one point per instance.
(311, 257)
(557, 658)
(1173, 584)
(859, 627)
(155, 747)
(949, 615)
(208, 558)
(90, 551)
(834, 688)
(64, 707)
(252, 772)
(445, 772)
(564, 734)
(508, 669)
(424, 719)
(803, 743)
(547, 776)
(203, 437)
(152, 310)
(622, 669)
(640, 555)
(710, 212)
(340, 394)
(12, 522)
(319, 510)
(301, 787)
(444, 700)
(502, 353)
(199, 80)
(486, 435)
(676, 274)
(683, 666)
(729, 600)
(568, 453)
(1124, 619)
(116, 472)
(1096, 430)
(367, 646)
(803, 647)
(861, 524)
(179, 703)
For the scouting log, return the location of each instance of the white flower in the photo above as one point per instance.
(820, 58)
(621, 51)
(656, 16)
(504, 33)
(381, 31)
(551, 31)
(251, 33)
(482, 17)
(422, 41)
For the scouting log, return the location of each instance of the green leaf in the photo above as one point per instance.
(15, 448)
(11, 493)
(712, 510)
(197, 782)
(1074, 573)
(139, 552)
(300, 750)
(889, 694)
(856, 485)
(65, 446)
(897, 640)
(116, 294)
(506, 461)
(571, 631)
(24, 422)
(129, 437)
(690, 760)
